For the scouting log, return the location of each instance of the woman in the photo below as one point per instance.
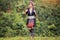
(31, 21)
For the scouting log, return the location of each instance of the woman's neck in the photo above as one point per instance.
(31, 10)
(31, 7)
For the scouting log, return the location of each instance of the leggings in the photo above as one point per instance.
(32, 32)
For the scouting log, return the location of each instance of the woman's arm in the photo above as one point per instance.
(36, 15)
(26, 11)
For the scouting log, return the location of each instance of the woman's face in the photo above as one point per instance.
(30, 5)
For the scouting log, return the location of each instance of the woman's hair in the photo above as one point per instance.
(31, 3)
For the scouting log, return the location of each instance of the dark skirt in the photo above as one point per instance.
(32, 30)
(34, 22)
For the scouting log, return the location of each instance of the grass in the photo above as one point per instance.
(29, 38)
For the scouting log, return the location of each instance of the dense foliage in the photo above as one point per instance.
(12, 23)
